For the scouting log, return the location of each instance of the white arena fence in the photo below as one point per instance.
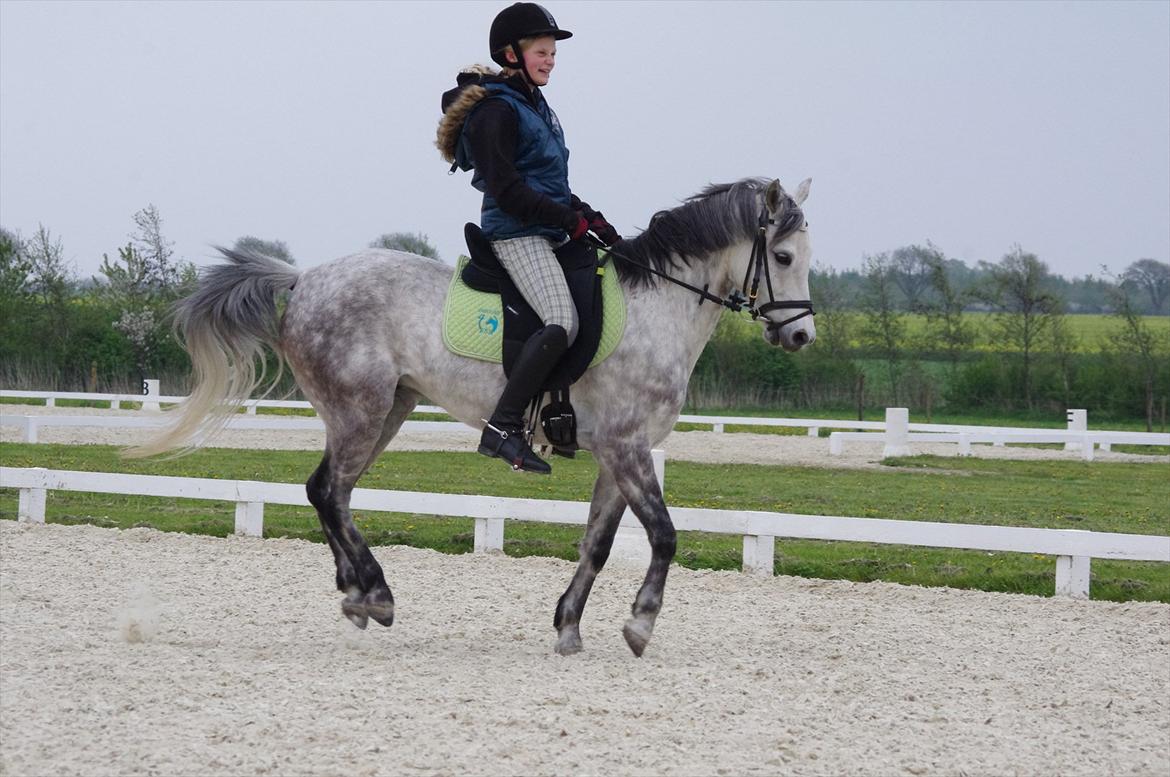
(896, 432)
(30, 425)
(1072, 548)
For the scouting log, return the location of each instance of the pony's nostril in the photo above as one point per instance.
(800, 337)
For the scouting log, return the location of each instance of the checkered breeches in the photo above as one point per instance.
(534, 269)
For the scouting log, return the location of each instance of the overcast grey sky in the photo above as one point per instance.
(974, 125)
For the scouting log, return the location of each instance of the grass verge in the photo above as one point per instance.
(1097, 496)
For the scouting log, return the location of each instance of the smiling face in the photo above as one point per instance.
(540, 56)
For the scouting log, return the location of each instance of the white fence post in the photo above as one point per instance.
(897, 432)
(814, 431)
(150, 395)
(30, 506)
(250, 519)
(630, 543)
(489, 535)
(836, 443)
(29, 424)
(964, 444)
(1078, 421)
(717, 428)
(1072, 576)
(759, 554)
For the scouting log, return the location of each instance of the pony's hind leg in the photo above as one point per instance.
(405, 401)
(605, 513)
(355, 438)
(633, 470)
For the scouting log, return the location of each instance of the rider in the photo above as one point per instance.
(500, 125)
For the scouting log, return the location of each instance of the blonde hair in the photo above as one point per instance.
(525, 44)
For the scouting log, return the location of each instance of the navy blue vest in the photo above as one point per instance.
(542, 160)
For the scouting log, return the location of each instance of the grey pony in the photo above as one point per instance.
(362, 336)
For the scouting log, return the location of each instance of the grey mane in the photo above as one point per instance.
(707, 222)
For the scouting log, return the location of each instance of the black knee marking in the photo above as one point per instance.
(664, 540)
(317, 488)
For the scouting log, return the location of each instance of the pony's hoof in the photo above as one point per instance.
(637, 634)
(379, 605)
(356, 612)
(569, 644)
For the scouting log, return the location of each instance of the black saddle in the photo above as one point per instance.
(579, 261)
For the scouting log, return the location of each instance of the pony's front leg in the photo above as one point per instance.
(605, 513)
(633, 470)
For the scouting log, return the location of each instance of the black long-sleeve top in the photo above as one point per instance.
(492, 134)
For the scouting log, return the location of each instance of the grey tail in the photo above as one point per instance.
(225, 325)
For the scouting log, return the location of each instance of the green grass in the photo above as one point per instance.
(1089, 330)
(1097, 496)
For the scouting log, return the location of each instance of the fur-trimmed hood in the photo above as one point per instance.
(458, 104)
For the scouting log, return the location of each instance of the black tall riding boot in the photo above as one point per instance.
(503, 437)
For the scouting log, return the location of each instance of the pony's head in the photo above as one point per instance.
(787, 253)
(723, 223)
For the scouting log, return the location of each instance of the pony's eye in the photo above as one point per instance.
(783, 257)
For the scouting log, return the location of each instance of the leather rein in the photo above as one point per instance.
(736, 301)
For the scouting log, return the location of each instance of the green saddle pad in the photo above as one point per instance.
(473, 321)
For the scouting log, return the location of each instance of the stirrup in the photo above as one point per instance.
(512, 448)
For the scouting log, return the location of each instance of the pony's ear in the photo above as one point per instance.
(773, 196)
(802, 191)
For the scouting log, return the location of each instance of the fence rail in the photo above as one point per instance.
(1073, 548)
(30, 425)
(894, 426)
(899, 433)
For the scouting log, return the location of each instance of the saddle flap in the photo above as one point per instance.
(484, 272)
(576, 255)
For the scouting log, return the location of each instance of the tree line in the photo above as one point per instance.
(911, 327)
(60, 331)
(912, 272)
(915, 328)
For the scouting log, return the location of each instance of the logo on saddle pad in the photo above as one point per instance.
(487, 322)
(473, 321)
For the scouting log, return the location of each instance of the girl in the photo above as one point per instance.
(500, 126)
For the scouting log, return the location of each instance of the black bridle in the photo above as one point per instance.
(736, 301)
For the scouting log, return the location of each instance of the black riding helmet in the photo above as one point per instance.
(519, 21)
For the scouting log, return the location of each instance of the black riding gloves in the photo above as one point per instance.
(603, 229)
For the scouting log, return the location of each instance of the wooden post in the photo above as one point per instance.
(1078, 421)
(897, 432)
(759, 554)
(30, 506)
(1072, 576)
(489, 535)
(150, 395)
(250, 519)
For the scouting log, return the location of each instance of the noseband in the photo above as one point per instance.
(735, 301)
